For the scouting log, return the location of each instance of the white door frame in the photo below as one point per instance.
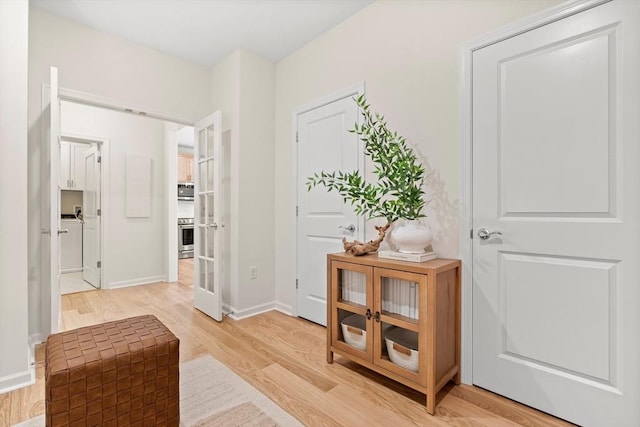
(356, 89)
(104, 149)
(465, 145)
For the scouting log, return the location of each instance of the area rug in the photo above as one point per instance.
(213, 395)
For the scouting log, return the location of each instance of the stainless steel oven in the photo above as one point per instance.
(185, 237)
(185, 191)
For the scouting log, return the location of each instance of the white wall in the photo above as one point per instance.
(14, 347)
(171, 139)
(407, 54)
(243, 89)
(98, 63)
(134, 246)
(257, 100)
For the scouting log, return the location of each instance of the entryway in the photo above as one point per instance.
(138, 204)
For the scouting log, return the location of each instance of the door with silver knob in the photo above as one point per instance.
(349, 228)
(555, 169)
(484, 233)
(323, 219)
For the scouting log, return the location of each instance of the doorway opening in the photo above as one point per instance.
(79, 210)
(185, 204)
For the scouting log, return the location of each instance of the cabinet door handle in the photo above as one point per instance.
(368, 314)
(376, 316)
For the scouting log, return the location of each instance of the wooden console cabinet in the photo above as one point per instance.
(420, 297)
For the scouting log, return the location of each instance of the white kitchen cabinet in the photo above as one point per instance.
(71, 246)
(72, 165)
(185, 167)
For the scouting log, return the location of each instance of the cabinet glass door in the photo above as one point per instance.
(400, 303)
(351, 316)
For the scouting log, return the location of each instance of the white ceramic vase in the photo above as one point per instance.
(411, 236)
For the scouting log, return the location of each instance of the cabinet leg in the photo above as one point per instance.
(431, 404)
(329, 356)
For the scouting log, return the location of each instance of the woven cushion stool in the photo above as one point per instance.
(122, 373)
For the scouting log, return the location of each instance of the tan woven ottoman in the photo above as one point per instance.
(122, 373)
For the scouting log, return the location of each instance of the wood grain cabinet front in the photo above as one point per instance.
(398, 318)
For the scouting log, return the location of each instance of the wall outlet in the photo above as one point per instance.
(253, 272)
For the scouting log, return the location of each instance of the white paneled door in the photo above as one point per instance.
(91, 263)
(556, 149)
(323, 219)
(207, 295)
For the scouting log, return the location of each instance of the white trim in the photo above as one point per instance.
(138, 281)
(70, 270)
(236, 314)
(34, 340)
(283, 308)
(356, 89)
(171, 193)
(18, 380)
(465, 160)
(114, 104)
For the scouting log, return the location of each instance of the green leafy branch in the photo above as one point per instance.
(398, 191)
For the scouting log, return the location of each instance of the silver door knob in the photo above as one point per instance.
(484, 233)
(214, 226)
(350, 228)
(63, 231)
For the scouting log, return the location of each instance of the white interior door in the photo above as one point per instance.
(555, 170)
(91, 264)
(51, 205)
(324, 144)
(207, 295)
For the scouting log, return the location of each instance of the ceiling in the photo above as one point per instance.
(206, 31)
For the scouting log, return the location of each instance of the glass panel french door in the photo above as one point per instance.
(207, 288)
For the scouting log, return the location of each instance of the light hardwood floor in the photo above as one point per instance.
(282, 356)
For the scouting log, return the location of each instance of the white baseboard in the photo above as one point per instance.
(16, 381)
(284, 308)
(136, 282)
(236, 314)
(34, 339)
(71, 270)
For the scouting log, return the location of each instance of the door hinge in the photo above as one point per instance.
(296, 283)
(99, 212)
(99, 159)
(296, 210)
(99, 264)
(471, 233)
(296, 137)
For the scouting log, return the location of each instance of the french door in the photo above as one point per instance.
(207, 295)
